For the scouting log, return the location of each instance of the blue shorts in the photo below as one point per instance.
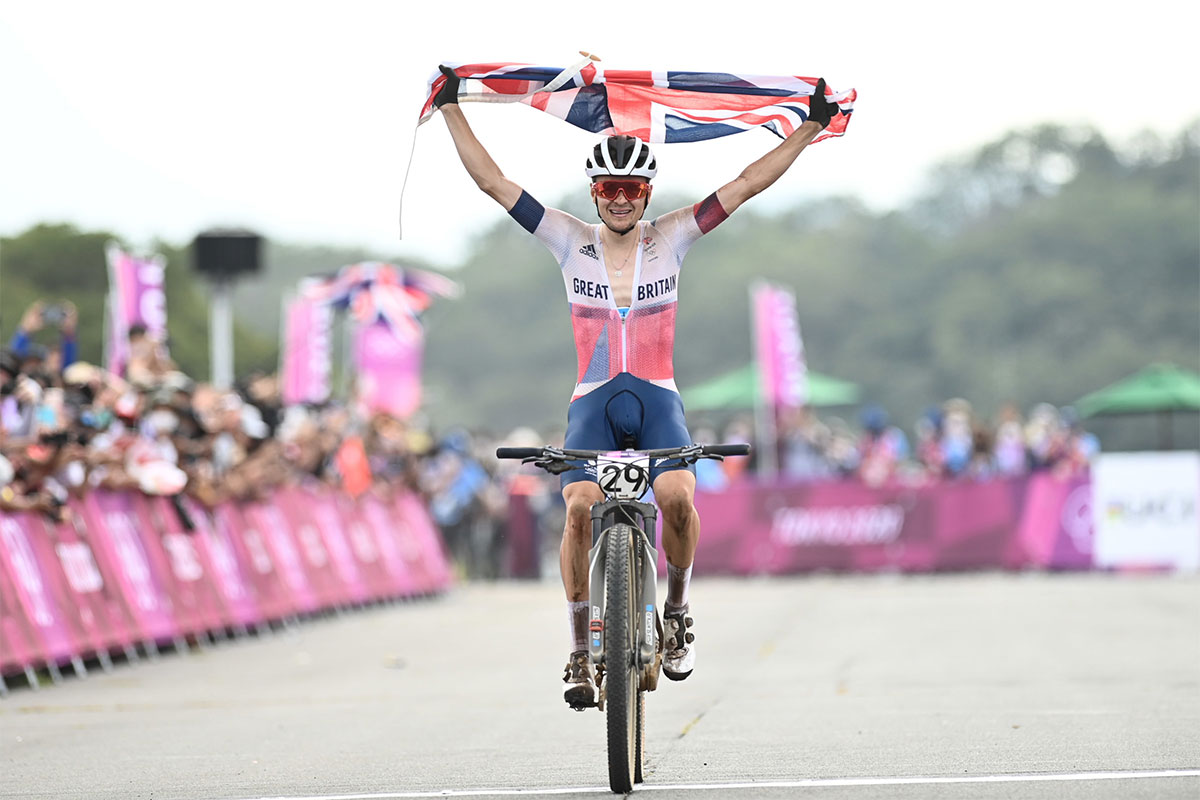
(626, 412)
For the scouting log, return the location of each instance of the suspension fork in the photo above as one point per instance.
(604, 516)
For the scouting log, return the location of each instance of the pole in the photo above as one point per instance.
(220, 333)
(764, 406)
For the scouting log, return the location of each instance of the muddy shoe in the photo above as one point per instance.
(581, 688)
(679, 643)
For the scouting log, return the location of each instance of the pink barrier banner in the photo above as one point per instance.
(17, 647)
(396, 552)
(364, 545)
(133, 567)
(268, 587)
(93, 598)
(217, 550)
(297, 519)
(1055, 529)
(780, 529)
(196, 585)
(113, 525)
(334, 529)
(418, 531)
(92, 579)
(269, 522)
(56, 631)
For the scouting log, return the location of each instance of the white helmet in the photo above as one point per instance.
(622, 155)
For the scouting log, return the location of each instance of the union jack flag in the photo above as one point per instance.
(651, 105)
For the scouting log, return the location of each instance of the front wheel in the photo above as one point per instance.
(622, 698)
(639, 757)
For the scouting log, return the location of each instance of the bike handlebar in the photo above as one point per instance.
(518, 452)
(705, 451)
(725, 449)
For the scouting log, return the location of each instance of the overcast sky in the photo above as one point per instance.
(161, 119)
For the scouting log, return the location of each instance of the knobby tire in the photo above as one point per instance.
(620, 648)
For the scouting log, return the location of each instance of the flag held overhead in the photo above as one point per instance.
(656, 106)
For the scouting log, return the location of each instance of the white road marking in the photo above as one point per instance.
(807, 783)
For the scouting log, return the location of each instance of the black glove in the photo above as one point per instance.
(449, 90)
(820, 110)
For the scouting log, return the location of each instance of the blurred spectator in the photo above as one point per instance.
(1009, 444)
(465, 504)
(149, 363)
(804, 443)
(39, 315)
(881, 448)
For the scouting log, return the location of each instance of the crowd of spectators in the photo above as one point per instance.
(67, 427)
(950, 442)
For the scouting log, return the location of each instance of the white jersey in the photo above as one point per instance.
(608, 342)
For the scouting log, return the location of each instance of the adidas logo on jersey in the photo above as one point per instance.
(589, 250)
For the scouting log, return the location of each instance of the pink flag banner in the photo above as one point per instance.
(136, 296)
(306, 357)
(386, 302)
(779, 348)
(387, 360)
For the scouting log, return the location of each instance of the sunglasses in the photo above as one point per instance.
(633, 190)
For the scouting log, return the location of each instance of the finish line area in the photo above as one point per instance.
(986, 686)
(814, 783)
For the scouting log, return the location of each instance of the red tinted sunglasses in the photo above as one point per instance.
(633, 190)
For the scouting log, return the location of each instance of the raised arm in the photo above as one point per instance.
(766, 170)
(474, 157)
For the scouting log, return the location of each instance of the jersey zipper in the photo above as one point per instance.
(637, 271)
(625, 341)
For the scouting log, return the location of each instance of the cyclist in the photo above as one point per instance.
(621, 280)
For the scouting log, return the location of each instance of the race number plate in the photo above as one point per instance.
(623, 476)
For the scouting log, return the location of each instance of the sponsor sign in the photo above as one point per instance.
(1145, 510)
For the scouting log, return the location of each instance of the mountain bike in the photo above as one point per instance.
(625, 630)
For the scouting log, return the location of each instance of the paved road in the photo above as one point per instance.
(825, 687)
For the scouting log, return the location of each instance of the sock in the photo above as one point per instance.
(677, 587)
(577, 614)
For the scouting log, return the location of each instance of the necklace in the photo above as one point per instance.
(625, 261)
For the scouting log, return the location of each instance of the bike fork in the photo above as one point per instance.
(646, 602)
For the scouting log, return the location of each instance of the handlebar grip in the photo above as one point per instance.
(726, 450)
(518, 452)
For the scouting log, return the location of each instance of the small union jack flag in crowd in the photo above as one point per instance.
(655, 106)
(372, 290)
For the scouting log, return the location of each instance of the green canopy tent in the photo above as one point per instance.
(1161, 389)
(738, 389)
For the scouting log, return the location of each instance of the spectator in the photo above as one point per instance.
(149, 362)
(40, 314)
